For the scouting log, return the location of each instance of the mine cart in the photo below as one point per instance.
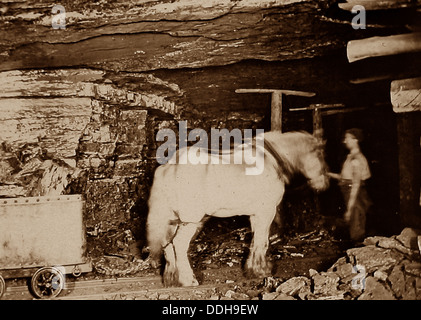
(42, 238)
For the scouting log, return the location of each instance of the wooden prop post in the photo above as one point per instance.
(317, 110)
(276, 103)
(405, 96)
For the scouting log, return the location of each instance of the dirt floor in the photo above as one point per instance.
(219, 253)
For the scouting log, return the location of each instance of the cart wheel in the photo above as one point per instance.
(47, 283)
(2, 286)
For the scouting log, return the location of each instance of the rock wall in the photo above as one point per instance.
(91, 132)
(74, 131)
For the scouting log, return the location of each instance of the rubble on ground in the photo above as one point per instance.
(119, 266)
(384, 268)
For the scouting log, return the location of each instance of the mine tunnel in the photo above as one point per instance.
(83, 98)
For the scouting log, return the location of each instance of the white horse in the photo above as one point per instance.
(183, 194)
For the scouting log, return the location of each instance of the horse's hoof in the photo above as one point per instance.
(262, 272)
(189, 283)
(170, 278)
(195, 283)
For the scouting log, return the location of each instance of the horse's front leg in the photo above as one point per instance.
(181, 243)
(257, 262)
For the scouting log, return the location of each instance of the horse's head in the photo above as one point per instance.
(313, 164)
(300, 152)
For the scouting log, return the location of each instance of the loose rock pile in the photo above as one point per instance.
(385, 268)
(116, 266)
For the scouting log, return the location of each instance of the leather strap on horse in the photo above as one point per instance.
(284, 168)
(177, 223)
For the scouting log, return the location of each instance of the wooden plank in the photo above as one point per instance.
(405, 95)
(371, 79)
(319, 106)
(376, 5)
(383, 46)
(345, 110)
(286, 92)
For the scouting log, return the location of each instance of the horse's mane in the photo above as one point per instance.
(286, 148)
(283, 167)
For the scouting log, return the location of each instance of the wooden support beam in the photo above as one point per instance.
(409, 156)
(285, 92)
(319, 106)
(276, 111)
(317, 124)
(318, 110)
(405, 95)
(347, 110)
(371, 79)
(383, 46)
(376, 4)
(276, 103)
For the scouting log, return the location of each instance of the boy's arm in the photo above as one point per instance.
(334, 175)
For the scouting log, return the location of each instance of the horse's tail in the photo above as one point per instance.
(159, 216)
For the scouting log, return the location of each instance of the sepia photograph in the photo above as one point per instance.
(210, 157)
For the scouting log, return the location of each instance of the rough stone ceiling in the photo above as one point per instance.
(149, 35)
(176, 39)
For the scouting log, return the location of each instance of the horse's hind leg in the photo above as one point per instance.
(181, 243)
(257, 262)
(170, 276)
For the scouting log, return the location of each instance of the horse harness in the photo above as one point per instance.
(283, 168)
